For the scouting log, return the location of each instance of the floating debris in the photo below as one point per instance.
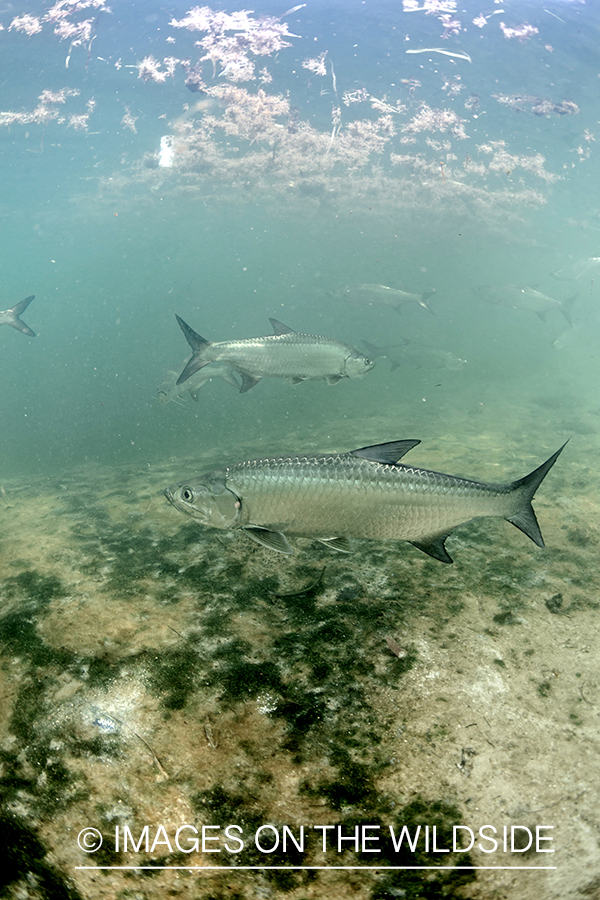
(210, 736)
(303, 591)
(539, 106)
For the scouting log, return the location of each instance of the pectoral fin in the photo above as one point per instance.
(272, 540)
(341, 544)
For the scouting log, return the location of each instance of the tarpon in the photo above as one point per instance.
(588, 268)
(419, 356)
(373, 294)
(284, 354)
(515, 297)
(366, 493)
(11, 316)
(171, 391)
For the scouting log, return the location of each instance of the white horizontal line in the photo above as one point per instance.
(285, 868)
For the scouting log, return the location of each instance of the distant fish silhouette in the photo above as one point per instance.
(11, 316)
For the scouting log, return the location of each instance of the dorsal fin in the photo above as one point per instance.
(280, 328)
(388, 453)
(195, 340)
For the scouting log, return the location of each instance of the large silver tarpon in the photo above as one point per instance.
(362, 494)
(284, 354)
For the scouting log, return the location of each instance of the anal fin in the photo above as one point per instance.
(248, 381)
(434, 546)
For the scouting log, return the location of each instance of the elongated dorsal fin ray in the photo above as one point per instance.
(280, 328)
(388, 453)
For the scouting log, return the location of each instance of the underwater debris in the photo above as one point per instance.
(395, 647)
(303, 591)
(539, 106)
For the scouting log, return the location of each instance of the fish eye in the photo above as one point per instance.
(368, 361)
(187, 494)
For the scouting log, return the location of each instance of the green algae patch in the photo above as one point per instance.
(426, 884)
(243, 680)
(33, 586)
(24, 863)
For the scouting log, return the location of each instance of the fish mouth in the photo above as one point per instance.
(169, 495)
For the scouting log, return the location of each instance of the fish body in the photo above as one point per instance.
(515, 297)
(171, 391)
(588, 269)
(363, 494)
(12, 316)
(284, 354)
(417, 356)
(579, 338)
(370, 294)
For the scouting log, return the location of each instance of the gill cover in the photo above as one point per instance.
(208, 500)
(357, 364)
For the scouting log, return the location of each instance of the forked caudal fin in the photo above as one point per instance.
(197, 343)
(523, 516)
(524, 489)
(12, 316)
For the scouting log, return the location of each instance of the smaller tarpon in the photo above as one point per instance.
(587, 269)
(12, 316)
(171, 391)
(383, 295)
(284, 354)
(366, 494)
(516, 297)
(417, 356)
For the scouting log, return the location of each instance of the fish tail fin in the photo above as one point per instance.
(424, 298)
(197, 343)
(194, 365)
(524, 489)
(566, 307)
(373, 350)
(16, 311)
(195, 340)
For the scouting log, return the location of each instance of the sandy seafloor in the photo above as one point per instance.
(157, 673)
